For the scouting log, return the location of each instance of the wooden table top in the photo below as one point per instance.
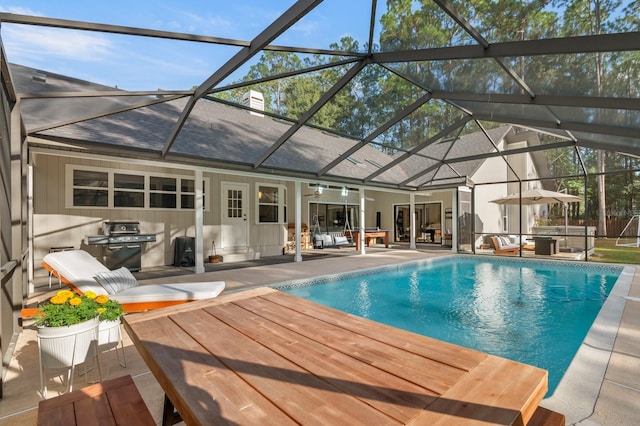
(266, 357)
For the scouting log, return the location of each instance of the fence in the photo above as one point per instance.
(614, 226)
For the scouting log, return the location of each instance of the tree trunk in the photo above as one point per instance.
(602, 212)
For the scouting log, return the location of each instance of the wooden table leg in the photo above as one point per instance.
(169, 416)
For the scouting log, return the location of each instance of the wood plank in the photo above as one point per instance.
(398, 398)
(101, 404)
(498, 391)
(456, 356)
(436, 375)
(128, 406)
(303, 396)
(57, 415)
(95, 411)
(190, 376)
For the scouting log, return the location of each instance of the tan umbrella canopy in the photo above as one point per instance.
(537, 196)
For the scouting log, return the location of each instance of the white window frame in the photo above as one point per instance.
(69, 187)
(282, 203)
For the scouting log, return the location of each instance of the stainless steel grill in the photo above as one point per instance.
(122, 244)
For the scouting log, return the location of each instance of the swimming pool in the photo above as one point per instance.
(536, 312)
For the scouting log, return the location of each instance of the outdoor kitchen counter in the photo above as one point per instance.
(263, 356)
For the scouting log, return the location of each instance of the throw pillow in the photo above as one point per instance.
(116, 280)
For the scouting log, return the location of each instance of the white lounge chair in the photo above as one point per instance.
(78, 270)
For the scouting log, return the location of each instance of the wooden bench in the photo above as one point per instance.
(112, 402)
(546, 417)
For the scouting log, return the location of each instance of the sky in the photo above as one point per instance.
(140, 63)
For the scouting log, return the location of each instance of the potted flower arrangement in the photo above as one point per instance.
(67, 308)
(68, 324)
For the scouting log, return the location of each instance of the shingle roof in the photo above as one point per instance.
(228, 135)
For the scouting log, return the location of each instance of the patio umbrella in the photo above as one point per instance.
(537, 196)
(540, 196)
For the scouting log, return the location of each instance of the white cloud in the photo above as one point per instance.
(19, 10)
(196, 23)
(25, 43)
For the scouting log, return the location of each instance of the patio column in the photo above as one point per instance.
(454, 221)
(298, 230)
(362, 225)
(199, 208)
(412, 221)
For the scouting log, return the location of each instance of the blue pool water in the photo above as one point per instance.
(537, 313)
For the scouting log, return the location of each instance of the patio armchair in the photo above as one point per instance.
(502, 245)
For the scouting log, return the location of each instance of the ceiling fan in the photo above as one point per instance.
(316, 193)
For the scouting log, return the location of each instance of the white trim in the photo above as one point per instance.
(111, 172)
(281, 204)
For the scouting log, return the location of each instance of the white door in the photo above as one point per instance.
(235, 226)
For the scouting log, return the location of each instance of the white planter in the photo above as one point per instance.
(66, 346)
(108, 334)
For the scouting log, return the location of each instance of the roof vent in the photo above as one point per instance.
(254, 100)
(39, 77)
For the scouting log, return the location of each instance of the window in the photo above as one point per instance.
(119, 189)
(234, 203)
(162, 193)
(128, 190)
(188, 194)
(90, 188)
(272, 207)
(327, 217)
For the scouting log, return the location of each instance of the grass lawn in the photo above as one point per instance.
(606, 251)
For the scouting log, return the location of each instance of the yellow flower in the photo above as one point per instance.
(101, 310)
(103, 298)
(65, 294)
(90, 294)
(75, 301)
(58, 300)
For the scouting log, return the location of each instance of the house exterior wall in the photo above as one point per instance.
(489, 217)
(493, 218)
(56, 224)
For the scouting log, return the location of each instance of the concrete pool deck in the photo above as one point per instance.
(610, 396)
